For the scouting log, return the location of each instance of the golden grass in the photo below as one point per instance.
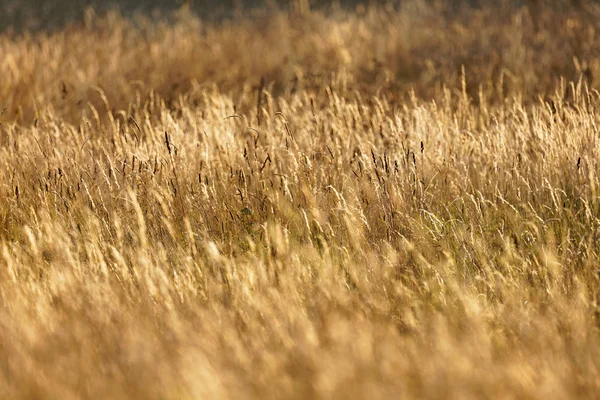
(394, 212)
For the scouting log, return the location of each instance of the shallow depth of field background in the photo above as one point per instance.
(299, 200)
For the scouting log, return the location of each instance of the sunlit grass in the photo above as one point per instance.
(302, 206)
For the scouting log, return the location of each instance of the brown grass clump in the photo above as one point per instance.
(302, 205)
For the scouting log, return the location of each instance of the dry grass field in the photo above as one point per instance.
(378, 202)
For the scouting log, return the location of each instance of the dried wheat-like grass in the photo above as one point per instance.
(386, 213)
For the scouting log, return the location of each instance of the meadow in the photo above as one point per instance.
(384, 201)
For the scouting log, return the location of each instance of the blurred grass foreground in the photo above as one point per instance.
(300, 200)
